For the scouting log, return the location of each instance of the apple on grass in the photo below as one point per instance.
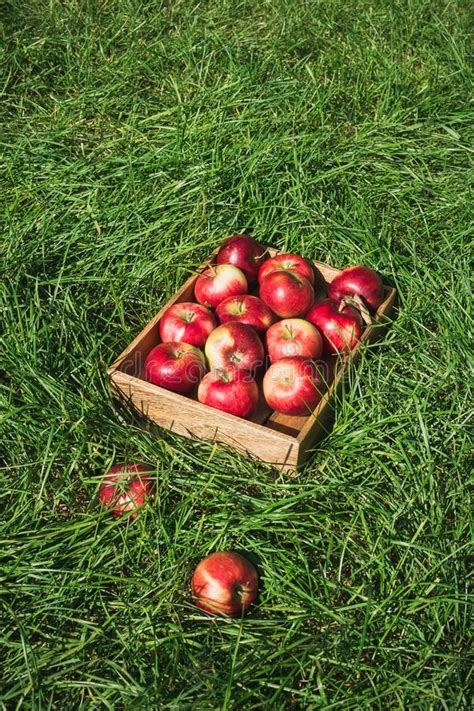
(125, 488)
(293, 386)
(293, 337)
(243, 252)
(287, 262)
(234, 344)
(286, 293)
(231, 390)
(187, 322)
(245, 309)
(175, 366)
(225, 583)
(218, 283)
(340, 325)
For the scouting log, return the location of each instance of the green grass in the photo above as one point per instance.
(135, 136)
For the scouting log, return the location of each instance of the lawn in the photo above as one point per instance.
(135, 136)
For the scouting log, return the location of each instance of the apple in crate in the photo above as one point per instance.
(340, 325)
(234, 344)
(125, 488)
(175, 366)
(359, 282)
(225, 583)
(218, 283)
(293, 337)
(287, 262)
(231, 390)
(187, 322)
(293, 386)
(243, 252)
(286, 293)
(245, 309)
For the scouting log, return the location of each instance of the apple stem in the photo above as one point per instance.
(357, 302)
(239, 592)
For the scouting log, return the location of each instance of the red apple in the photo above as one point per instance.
(125, 488)
(232, 390)
(225, 583)
(340, 325)
(293, 337)
(293, 386)
(218, 283)
(243, 252)
(234, 344)
(291, 262)
(246, 309)
(287, 294)
(358, 281)
(188, 323)
(175, 366)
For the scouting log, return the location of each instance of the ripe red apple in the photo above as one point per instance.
(291, 262)
(287, 294)
(234, 344)
(293, 337)
(125, 488)
(358, 281)
(188, 323)
(218, 283)
(225, 583)
(175, 366)
(340, 325)
(243, 252)
(293, 386)
(246, 309)
(232, 390)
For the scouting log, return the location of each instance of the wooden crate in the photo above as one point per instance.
(280, 440)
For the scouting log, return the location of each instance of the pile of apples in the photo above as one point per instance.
(234, 335)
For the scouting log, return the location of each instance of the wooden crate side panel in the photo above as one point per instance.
(320, 423)
(191, 419)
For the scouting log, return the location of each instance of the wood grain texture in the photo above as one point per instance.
(279, 440)
(191, 419)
